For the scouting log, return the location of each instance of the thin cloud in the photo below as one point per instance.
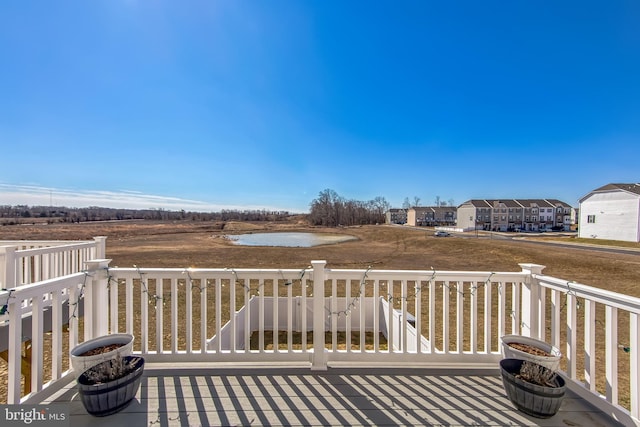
(34, 195)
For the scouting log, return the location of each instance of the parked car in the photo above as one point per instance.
(442, 234)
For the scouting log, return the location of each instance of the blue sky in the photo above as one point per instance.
(205, 105)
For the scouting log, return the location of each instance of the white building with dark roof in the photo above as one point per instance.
(611, 212)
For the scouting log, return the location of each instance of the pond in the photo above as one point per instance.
(295, 240)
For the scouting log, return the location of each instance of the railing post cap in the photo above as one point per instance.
(318, 263)
(532, 268)
(97, 263)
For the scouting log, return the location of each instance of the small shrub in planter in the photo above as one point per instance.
(532, 388)
(110, 386)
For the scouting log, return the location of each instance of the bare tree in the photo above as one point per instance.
(330, 210)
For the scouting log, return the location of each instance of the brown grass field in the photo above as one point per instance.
(202, 244)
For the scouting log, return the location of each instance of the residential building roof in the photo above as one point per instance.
(516, 203)
(434, 208)
(478, 203)
(629, 188)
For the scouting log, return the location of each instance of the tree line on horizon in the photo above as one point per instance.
(10, 215)
(332, 210)
(329, 209)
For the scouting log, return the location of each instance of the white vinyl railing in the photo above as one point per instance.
(599, 334)
(319, 317)
(26, 261)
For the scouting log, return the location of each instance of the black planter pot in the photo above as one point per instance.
(537, 401)
(113, 396)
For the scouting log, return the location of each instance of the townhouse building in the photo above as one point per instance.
(432, 216)
(396, 216)
(515, 215)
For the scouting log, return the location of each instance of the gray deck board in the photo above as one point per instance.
(339, 396)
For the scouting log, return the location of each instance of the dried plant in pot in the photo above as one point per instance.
(100, 349)
(110, 386)
(531, 349)
(533, 389)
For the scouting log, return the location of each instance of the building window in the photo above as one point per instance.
(534, 218)
(495, 218)
(591, 219)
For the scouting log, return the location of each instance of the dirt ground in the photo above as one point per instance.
(203, 244)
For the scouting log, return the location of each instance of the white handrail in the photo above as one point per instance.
(23, 262)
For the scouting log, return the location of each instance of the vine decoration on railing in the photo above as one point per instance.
(354, 301)
(567, 294)
(397, 300)
(346, 312)
(154, 298)
(571, 292)
(80, 296)
(303, 272)
(191, 283)
(145, 289)
(257, 289)
(624, 347)
(4, 308)
(473, 289)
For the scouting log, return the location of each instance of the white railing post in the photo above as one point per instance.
(101, 246)
(634, 335)
(531, 303)
(8, 267)
(15, 351)
(319, 357)
(96, 312)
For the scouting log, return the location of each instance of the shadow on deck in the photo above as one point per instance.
(339, 396)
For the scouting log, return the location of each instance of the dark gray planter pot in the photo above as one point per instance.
(537, 401)
(108, 398)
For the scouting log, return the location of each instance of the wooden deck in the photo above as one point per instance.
(171, 396)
